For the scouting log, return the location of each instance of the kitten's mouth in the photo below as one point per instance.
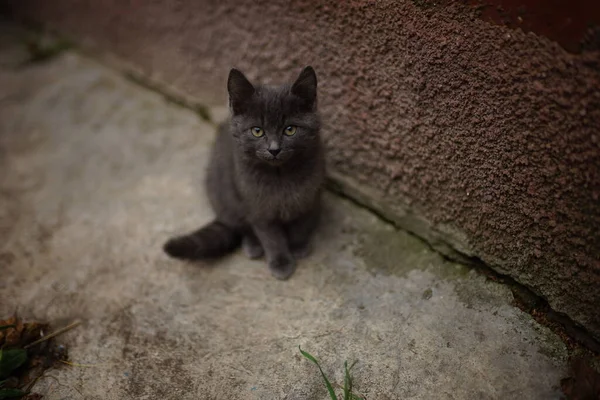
(277, 160)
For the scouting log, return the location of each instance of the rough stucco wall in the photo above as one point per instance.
(485, 132)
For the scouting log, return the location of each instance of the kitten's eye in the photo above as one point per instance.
(257, 132)
(290, 130)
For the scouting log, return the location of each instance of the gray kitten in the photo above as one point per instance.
(265, 175)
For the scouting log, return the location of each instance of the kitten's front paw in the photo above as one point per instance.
(282, 266)
(300, 252)
(252, 248)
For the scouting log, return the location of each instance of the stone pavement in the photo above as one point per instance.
(97, 172)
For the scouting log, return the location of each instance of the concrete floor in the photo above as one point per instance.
(96, 173)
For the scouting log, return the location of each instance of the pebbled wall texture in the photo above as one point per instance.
(477, 136)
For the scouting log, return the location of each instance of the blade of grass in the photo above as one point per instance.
(347, 382)
(5, 327)
(53, 334)
(327, 383)
(352, 395)
(11, 393)
(352, 365)
(10, 360)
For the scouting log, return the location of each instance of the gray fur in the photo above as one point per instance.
(269, 203)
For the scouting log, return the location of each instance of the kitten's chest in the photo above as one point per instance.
(282, 198)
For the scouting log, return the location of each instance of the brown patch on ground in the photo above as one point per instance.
(583, 382)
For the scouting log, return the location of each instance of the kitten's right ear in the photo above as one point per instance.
(305, 86)
(240, 90)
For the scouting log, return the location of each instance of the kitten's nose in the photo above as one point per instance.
(274, 152)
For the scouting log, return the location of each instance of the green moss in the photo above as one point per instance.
(202, 112)
(388, 251)
(551, 346)
(43, 47)
(199, 109)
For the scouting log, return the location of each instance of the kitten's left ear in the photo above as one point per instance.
(305, 86)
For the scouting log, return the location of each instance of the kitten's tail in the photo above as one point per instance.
(210, 241)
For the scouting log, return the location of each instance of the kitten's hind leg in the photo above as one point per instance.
(299, 233)
(252, 247)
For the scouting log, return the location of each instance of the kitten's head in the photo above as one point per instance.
(273, 125)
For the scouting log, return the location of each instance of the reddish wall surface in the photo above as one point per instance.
(488, 133)
(567, 22)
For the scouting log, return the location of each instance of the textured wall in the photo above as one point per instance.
(488, 135)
